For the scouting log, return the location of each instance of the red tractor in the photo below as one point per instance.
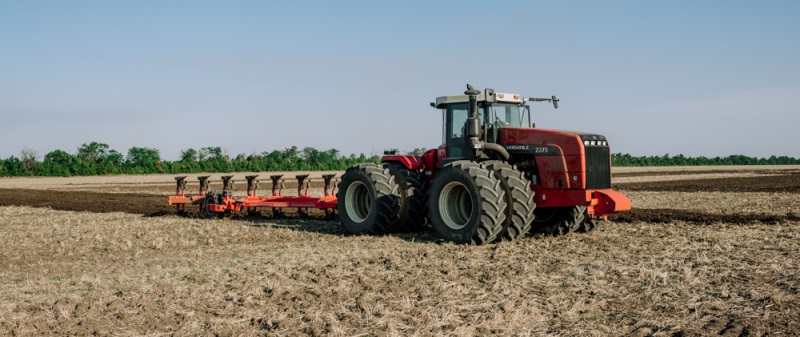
(494, 177)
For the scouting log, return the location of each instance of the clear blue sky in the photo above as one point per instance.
(710, 78)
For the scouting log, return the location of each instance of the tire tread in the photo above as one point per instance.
(519, 199)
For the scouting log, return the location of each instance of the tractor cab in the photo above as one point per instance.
(494, 110)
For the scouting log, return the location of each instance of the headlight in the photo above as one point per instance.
(595, 143)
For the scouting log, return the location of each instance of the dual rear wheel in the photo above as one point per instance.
(480, 203)
(380, 199)
(467, 203)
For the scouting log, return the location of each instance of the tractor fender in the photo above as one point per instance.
(410, 162)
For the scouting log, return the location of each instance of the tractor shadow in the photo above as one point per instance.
(321, 225)
(314, 222)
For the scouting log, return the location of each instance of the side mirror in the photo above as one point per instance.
(555, 102)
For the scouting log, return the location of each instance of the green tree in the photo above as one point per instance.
(14, 167)
(93, 152)
(115, 158)
(189, 156)
(212, 154)
(290, 159)
(144, 160)
(311, 158)
(59, 163)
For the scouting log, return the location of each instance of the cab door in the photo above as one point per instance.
(455, 132)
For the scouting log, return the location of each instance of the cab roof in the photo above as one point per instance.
(502, 97)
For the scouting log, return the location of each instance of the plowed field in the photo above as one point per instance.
(705, 251)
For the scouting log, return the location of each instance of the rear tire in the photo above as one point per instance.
(369, 200)
(518, 196)
(558, 220)
(412, 212)
(467, 203)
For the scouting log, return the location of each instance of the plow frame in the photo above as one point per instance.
(252, 202)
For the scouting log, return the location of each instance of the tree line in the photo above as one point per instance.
(97, 159)
(619, 159)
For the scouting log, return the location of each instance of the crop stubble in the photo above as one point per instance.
(659, 271)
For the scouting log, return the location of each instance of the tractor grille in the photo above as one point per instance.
(598, 167)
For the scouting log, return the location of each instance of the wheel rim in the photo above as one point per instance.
(358, 201)
(455, 205)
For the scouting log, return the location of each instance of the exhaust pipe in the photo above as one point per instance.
(474, 128)
(473, 123)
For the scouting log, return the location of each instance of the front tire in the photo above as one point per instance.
(590, 224)
(558, 220)
(467, 203)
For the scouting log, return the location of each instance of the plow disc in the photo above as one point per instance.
(217, 204)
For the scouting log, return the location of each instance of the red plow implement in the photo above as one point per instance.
(218, 204)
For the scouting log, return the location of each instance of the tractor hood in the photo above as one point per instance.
(548, 142)
(564, 159)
